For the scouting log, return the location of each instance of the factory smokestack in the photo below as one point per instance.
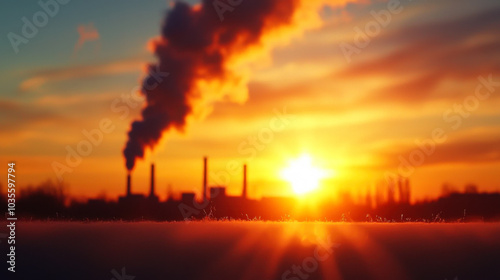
(129, 191)
(152, 190)
(244, 193)
(205, 178)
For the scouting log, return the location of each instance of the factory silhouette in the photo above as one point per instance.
(391, 202)
(214, 202)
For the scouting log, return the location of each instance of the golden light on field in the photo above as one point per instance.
(303, 176)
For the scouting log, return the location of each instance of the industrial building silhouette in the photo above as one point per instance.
(390, 202)
(214, 200)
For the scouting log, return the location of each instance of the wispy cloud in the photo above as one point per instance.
(471, 147)
(42, 77)
(428, 54)
(13, 115)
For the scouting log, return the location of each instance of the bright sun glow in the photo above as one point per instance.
(302, 175)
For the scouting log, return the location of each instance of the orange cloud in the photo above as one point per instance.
(40, 78)
(427, 54)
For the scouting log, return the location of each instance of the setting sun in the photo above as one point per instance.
(303, 176)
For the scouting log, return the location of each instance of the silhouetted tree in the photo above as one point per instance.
(447, 189)
(46, 200)
(471, 188)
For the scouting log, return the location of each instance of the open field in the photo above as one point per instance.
(256, 250)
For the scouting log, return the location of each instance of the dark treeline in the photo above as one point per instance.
(50, 201)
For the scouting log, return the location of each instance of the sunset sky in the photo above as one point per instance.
(356, 116)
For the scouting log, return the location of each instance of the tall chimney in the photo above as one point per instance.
(407, 190)
(152, 190)
(401, 190)
(128, 185)
(205, 178)
(244, 193)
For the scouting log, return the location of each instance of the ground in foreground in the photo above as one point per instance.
(256, 250)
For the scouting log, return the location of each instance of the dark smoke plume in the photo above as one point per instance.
(196, 46)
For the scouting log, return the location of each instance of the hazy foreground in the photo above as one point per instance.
(257, 250)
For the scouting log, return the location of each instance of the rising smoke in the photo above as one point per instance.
(198, 49)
